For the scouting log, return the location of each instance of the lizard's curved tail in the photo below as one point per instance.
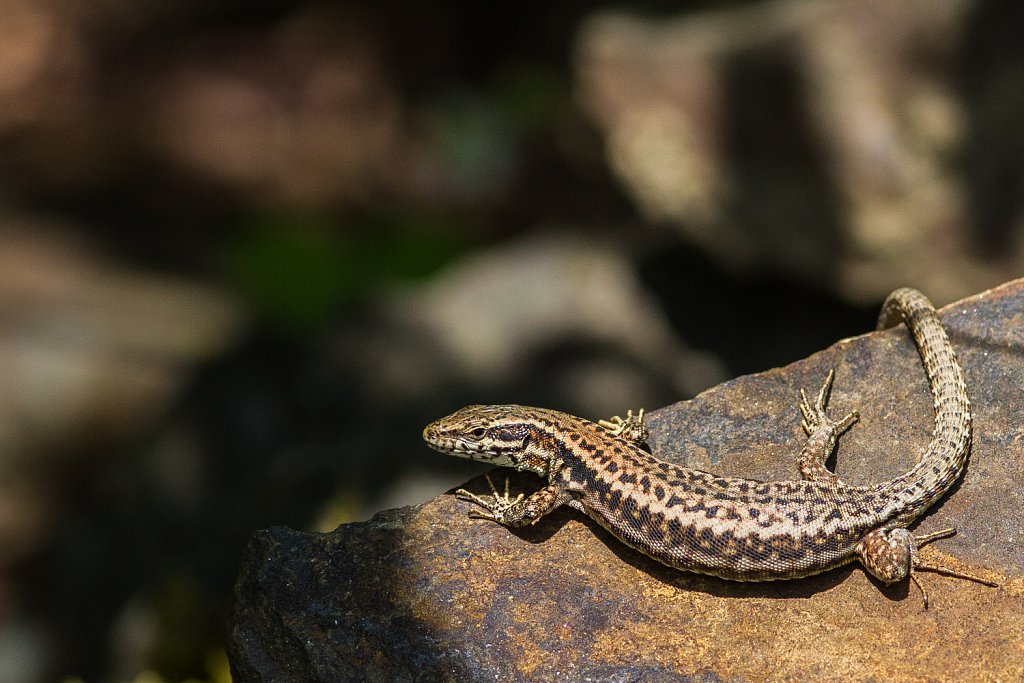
(943, 462)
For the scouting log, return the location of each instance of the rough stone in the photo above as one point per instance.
(426, 593)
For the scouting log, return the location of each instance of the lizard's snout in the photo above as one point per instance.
(430, 433)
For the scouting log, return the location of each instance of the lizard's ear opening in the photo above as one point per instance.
(526, 442)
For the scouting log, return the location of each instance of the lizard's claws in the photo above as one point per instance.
(815, 417)
(496, 507)
(631, 429)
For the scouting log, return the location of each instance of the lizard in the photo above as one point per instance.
(732, 528)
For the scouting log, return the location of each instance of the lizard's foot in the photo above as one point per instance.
(822, 433)
(631, 429)
(892, 555)
(814, 416)
(495, 508)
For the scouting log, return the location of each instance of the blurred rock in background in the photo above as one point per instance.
(824, 139)
(92, 353)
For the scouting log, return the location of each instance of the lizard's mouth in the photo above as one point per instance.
(463, 448)
(457, 447)
(439, 441)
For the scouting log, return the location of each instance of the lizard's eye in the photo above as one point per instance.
(479, 433)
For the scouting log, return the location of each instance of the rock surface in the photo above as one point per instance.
(425, 593)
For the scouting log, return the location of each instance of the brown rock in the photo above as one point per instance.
(425, 593)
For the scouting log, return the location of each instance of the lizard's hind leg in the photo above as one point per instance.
(822, 433)
(890, 555)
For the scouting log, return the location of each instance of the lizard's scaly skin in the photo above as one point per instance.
(739, 529)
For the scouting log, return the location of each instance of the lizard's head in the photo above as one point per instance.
(500, 435)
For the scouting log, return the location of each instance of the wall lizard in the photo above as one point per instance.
(732, 528)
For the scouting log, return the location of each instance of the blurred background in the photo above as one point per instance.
(248, 250)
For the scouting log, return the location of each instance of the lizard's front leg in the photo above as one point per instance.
(514, 512)
(631, 429)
